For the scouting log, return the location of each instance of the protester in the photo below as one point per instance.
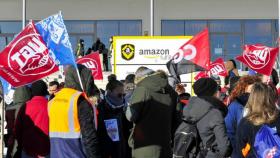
(232, 83)
(112, 77)
(89, 50)
(32, 124)
(231, 69)
(113, 127)
(61, 85)
(80, 48)
(261, 111)
(99, 46)
(153, 112)
(20, 97)
(129, 87)
(110, 51)
(208, 112)
(53, 88)
(72, 123)
(183, 97)
(238, 99)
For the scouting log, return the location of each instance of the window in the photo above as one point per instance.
(227, 36)
(106, 29)
(88, 30)
(225, 26)
(10, 27)
(258, 31)
(109, 28)
(130, 28)
(192, 27)
(172, 27)
(80, 26)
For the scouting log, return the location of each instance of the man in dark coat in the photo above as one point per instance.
(88, 145)
(99, 46)
(153, 112)
(209, 113)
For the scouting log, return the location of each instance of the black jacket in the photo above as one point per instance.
(109, 148)
(210, 113)
(85, 110)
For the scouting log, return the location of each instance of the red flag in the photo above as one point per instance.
(201, 74)
(26, 58)
(196, 50)
(259, 58)
(218, 68)
(92, 61)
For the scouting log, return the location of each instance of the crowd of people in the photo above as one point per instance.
(96, 46)
(138, 117)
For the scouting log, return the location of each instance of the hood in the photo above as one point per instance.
(243, 98)
(199, 106)
(72, 80)
(155, 82)
(22, 95)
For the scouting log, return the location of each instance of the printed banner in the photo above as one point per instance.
(259, 58)
(92, 61)
(54, 33)
(218, 68)
(26, 58)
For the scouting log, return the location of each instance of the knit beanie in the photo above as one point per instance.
(39, 88)
(205, 87)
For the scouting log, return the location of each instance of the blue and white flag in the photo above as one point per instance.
(8, 91)
(54, 33)
(5, 85)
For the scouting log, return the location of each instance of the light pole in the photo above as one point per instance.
(23, 13)
(152, 17)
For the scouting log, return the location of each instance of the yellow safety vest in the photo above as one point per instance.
(63, 114)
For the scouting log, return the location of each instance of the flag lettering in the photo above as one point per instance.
(31, 49)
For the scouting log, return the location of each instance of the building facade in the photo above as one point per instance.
(232, 23)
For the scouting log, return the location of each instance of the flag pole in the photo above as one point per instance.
(191, 84)
(76, 66)
(2, 119)
(79, 77)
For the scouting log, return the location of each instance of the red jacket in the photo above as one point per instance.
(32, 127)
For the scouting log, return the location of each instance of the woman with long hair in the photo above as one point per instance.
(262, 109)
(231, 69)
(238, 99)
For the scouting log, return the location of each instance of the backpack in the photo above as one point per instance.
(267, 143)
(187, 142)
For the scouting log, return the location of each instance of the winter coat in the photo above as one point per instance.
(210, 113)
(108, 147)
(235, 114)
(32, 127)
(20, 97)
(90, 141)
(246, 133)
(153, 111)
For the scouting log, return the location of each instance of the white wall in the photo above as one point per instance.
(140, 9)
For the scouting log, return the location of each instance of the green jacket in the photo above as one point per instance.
(153, 111)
